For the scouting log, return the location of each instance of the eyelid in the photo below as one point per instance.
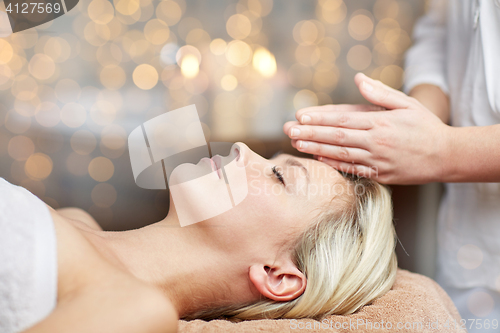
(278, 175)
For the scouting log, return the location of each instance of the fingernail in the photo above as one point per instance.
(366, 86)
(295, 132)
(302, 144)
(320, 158)
(305, 119)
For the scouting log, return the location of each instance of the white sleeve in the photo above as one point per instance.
(426, 59)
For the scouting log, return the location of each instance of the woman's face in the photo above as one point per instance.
(265, 202)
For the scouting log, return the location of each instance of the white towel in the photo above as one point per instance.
(28, 259)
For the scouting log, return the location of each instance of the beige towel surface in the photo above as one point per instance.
(414, 304)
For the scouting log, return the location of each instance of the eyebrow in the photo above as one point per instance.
(294, 162)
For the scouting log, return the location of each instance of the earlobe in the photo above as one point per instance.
(282, 284)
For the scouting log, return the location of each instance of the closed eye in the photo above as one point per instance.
(278, 174)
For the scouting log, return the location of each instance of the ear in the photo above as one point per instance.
(279, 282)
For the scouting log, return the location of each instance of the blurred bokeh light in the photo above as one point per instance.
(72, 89)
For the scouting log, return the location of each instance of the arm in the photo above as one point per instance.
(473, 155)
(425, 61)
(434, 99)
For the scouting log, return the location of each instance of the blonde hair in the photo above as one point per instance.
(347, 256)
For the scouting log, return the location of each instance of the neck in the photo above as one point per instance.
(182, 262)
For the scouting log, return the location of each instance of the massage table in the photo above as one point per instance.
(414, 304)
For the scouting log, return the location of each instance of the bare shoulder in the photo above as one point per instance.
(80, 216)
(94, 295)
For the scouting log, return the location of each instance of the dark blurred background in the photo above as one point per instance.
(72, 90)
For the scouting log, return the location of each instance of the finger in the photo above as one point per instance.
(331, 135)
(288, 125)
(294, 144)
(339, 108)
(345, 154)
(378, 93)
(353, 120)
(354, 169)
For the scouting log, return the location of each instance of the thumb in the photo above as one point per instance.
(380, 94)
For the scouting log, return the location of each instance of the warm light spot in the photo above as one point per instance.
(218, 46)
(127, 7)
(48, 114)
(83, 142)
(197, 85)
(190, 66)
(238, 26)
(392, 75)
(103, 195)
(307, 55)
(24, 87)
(145, 76)
(101, 11)
(360, 27)
(96, 34)
(25, 40)
(38, 166)
(305, 98)
(5, 75)
(264, 62)
(169, 11)
(41, 66)
(480, 303)
(6, 51)
(156, 31)
(198, 37)
(385, 27)
(308, 32)
(27, 108)
(187, 50)
(229, 82)
(331, 11)
(359, 57)
(20, 148)
(470, 256)
(386, 9)
(103, 112)
(326, 80)
(113, 136)
(238, 53)
(112, 77)
(58, 49)
(260, 7)
(73, 115)
(101, 169)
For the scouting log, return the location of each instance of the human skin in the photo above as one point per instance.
(235, 257)
(405, 144)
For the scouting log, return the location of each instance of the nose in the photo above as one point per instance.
(241, 152)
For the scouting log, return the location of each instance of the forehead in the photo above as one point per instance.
(324, 183)
(318, 171)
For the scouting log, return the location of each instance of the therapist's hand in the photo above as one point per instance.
(406, 144)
